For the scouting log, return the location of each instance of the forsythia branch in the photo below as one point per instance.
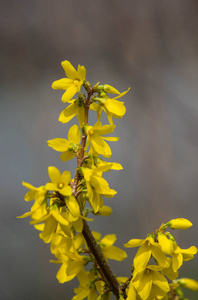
(60, 211)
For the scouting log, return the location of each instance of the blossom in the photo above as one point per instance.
(86, 288)
(150, 284)
(111, 106)
(73, 83)
(97, 142)
(68, 147)
(179, 255)
(106, 245)
(38, 194)
(59, 183)
(75, 108)
(147, 248)
(97, 185)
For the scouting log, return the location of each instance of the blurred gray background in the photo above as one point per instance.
(151, 46)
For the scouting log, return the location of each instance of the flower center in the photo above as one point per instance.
(60, 185)
(76, 82)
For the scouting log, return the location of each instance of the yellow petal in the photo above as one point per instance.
(165, 244)
(49, 230)
(62, 84)
(108, 240)
(134, 243)
(70, 71)
(24, 215)
(115, 107)
(113, 252)
(75, 267)
(105, 211)
(67, 155)
(74, 135)
(59, 144)
(81, 72)
(70, 92)
(66, 177)
(59, 218)
(111, 139)
(142, 258)
(62, 276)
(103, 129)
(73, 206)
(54, 174)
(81, 115)
(68, 113)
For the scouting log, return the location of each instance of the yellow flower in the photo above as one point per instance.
(179, 223)
(97, 185)
(38, 194)
(109, 251)
(94, 137)
(112, 107)
(73, 83)
(68, 147)
(106, 244)
(147, 248)
(150, 284)
(99, 162)
(86, 288)
(59, 183)
(75, 108)
(179, 255)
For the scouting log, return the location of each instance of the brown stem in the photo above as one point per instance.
(104, 269)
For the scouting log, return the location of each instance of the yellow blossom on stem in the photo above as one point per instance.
(95, 138)
(70, 147)
(150, 284)
(147, 248)
(34, 193)
(106, 244)
(111, 106)
(96, 184)
(59, 183)
(75, 108)
(73, 83)
(179, 255)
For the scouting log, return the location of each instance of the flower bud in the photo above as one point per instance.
(110, 89)
(179, 223)
(189, 283)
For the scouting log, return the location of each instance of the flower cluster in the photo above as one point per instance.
(158, 259)
(61, 207)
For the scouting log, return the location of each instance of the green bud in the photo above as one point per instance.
(86, 85)
(102, 94)
(100, 87)
(71, 147)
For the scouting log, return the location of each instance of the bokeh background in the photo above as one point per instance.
(151, 46)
